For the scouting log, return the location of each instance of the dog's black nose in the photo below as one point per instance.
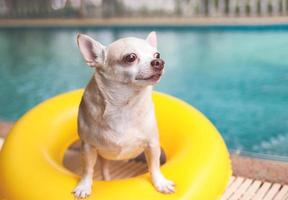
(158, 64)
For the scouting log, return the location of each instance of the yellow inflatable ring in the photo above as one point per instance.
(31, 159)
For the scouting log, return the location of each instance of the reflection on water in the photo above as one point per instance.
(238, 79)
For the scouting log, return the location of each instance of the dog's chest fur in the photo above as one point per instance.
(118, 129)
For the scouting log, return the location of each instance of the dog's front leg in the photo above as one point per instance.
(89, 156)
(105, 169)
(152, 154)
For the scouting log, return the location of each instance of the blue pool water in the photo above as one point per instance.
(238, 78)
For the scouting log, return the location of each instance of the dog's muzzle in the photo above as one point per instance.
(158, 64)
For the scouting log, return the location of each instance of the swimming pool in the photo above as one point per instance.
(238, 78)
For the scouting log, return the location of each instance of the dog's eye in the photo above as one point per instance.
(130, 58)
(157, 55)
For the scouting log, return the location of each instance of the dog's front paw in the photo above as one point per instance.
(163, 185)
(83, 190)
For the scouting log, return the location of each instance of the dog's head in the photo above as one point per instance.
(128, 60)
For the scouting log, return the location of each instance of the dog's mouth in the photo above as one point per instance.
(154, 77)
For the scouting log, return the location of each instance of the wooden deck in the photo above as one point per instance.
(241, 188)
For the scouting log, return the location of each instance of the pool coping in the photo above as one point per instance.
(149, 22)
(275, 171)
(260, 169)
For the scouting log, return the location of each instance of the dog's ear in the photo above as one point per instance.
(152, 39)
(92, 51)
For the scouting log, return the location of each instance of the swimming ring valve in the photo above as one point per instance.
(31, 159)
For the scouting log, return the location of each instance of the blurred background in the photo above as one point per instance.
(228, 58)
(140, 8)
